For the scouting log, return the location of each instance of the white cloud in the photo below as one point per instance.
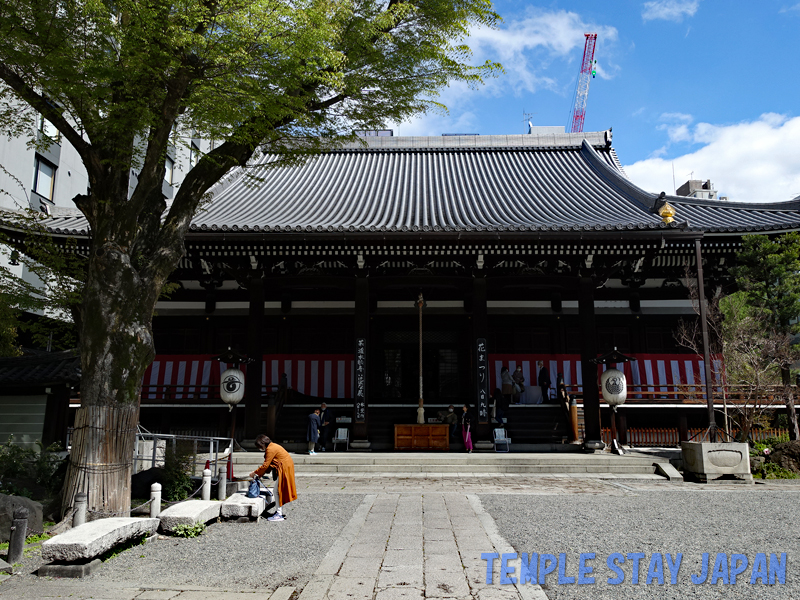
(533, 50)
(794, 8)
(526, 47)
(753, 161)
(669, 10)
(677, 127)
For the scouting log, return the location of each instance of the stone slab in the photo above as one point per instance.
(668, 471)
(71, 570)
(157, 595)
(190, 513)
(96, 537)
(282, 593)
(239, 505)
(5, 567)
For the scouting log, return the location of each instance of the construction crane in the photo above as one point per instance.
(588, 71)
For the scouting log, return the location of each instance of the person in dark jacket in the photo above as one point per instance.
(312, 434)
(500, 405)
(328, 419)
(506, 382)
(519, 383)
(544, 382)
(466, 423)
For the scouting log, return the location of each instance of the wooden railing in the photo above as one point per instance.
(694, 394)
(667, 436)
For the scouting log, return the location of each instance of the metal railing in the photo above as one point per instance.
(151, 448)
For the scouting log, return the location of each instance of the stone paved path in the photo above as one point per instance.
(414, 546)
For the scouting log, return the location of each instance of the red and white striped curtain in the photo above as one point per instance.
(321, 375)
(646, 370)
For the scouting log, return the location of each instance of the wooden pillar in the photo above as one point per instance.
(683, 428)
(360, 432)
(712, 420)
(255, 351)
(591, 395)
(622, 427)
(480, 349)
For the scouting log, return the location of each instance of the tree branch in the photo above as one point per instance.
(38, 102)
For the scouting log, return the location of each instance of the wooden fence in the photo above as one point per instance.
(666, 437)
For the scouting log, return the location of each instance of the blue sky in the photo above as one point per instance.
(710, 87)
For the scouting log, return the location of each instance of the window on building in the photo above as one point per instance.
(44, 176)
(170, 164)
(194, 155)
(48, 129)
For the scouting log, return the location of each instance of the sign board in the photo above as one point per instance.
(361, 380)
(482, 377)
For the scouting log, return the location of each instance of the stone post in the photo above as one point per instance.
(206, 484)
(155, 497)
(222, 484)
(81, 504)
(19, 531)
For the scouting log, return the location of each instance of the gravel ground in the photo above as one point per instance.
(690, 522)
(235, 556)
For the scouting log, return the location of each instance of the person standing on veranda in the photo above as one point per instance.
(327, 418)
(312, 431)
(277, 461)
(544, 381)
(519, 383)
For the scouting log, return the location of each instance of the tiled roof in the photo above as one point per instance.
(45, 369)
(549, 182)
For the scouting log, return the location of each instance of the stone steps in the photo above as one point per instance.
(516, 463)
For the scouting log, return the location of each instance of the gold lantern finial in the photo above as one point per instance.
(667, 212)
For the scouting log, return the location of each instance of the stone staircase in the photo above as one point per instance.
(400, 464)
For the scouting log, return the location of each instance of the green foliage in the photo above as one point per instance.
(781, 421)
(14, 459)
(189, 531)
(758, 448)
(768, 271)
(37, 537)
(17, 462)
(773, 471)
(178, 462)
(53, 293)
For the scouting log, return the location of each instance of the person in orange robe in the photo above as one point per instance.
(276, 457)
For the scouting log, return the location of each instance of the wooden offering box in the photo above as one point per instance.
(422, 437)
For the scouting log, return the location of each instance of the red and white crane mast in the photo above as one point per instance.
(582, 90)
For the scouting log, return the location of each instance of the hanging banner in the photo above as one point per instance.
(482, 363)
(361, 380)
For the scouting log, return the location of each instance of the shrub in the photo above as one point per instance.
(189, 531)
(774, 471)
(178, 461)
(20, 466)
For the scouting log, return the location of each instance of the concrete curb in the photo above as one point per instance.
(501, 546)
(321, 581)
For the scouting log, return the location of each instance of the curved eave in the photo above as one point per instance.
(709, 216)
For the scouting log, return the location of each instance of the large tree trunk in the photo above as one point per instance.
(116, 347)
(788, 397)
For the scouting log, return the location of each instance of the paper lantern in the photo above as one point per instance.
(614, 386)
(231, 388)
